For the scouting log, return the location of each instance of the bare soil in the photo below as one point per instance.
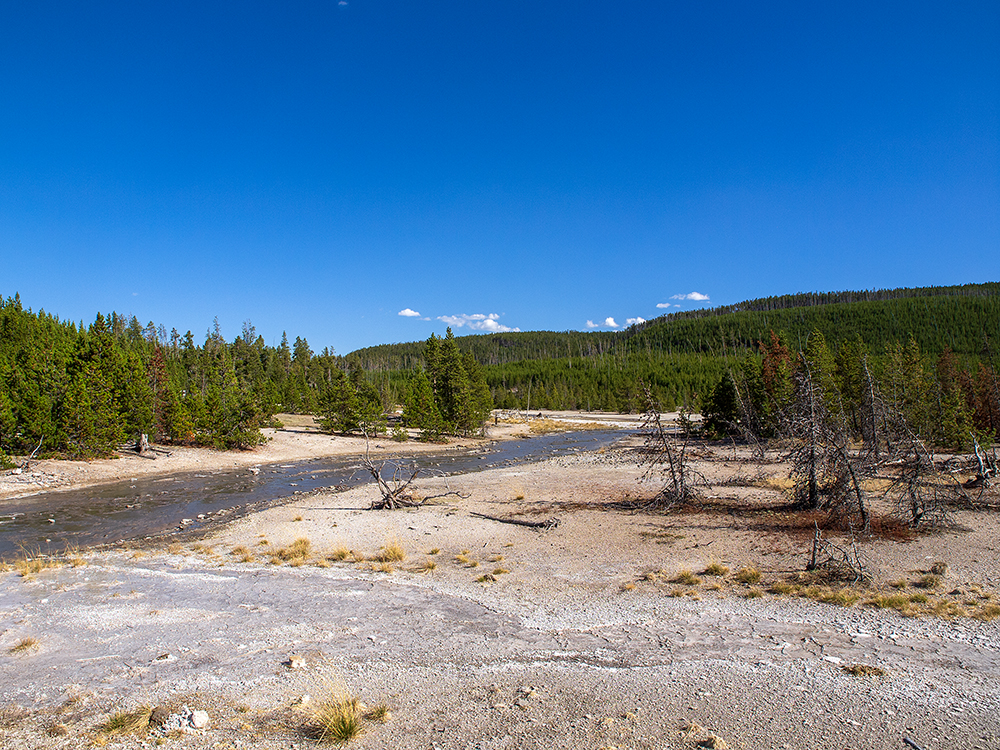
(611, 628)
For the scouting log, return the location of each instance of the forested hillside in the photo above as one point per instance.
(682, 356)
(81, 390)
(955, 317)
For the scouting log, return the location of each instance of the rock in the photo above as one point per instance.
(185, 720)
(159, 716)
(296, 662)
(58, 730)
(164, 658)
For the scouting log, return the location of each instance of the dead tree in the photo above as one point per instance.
(664, 456)
(395, 485)
(828, 475)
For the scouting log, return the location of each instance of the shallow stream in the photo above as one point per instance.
(153, 506)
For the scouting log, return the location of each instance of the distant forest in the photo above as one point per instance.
(82, 390)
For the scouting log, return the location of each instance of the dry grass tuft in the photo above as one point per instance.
(486, 578)
(339, 554)
(297, 518)
(500, 571)
(383, 567)
(242, 554)
(748, 575)
(928, 582)
(939, 568)
(23, 646)
(391, 552)
(427, 566)
(715, 568)
(987, 612)
(33, 562)
(753, 594)
(434, 551)
(379, 713)
(864, 670)
(127, 722)
(336, 720)
(295, 554)
(686, 578)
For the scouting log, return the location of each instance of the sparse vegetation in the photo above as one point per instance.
(336, 720)
(748, 575)
(391, 552)
(127, 722)
(686, 578)
(23, 646)
(715, 568)
(864, 670)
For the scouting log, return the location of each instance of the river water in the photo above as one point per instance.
(152, 506)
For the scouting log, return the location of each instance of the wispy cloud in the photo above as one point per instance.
(634, 321)
(665, 305)
(408, 313)
(478, 322)
(693, 296)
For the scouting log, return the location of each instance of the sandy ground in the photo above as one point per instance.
(579, 636)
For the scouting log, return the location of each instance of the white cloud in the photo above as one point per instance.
(592, 324)
(610, 322)
(665, 305)
(634, 321)
(478, 322)
(408, 313)
(694, 296)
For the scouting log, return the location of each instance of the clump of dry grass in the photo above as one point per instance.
(715, 568)
(383, 567)
(427, 566)
(753, 594)
(379, 713)
(486, 578)
(127, 722)
(263, 543)
(337, 719)
(500, 571)
(339, 554)
(987, 612)
(295, 554)
(242, 554)
(930, 581)
(23, 646)
(296, 519)
(357, 557)
(864, 670)
(391, 552)
(32, 562)
(434, 551)
(748, 575)
(686, 578)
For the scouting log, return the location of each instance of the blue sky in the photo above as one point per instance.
(323, 167)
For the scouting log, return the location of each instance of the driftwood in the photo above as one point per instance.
(549, 524)
(396, 491)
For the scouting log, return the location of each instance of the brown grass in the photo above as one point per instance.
(23, 646)
(127, 722)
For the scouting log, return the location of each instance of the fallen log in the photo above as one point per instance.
(549, 524)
